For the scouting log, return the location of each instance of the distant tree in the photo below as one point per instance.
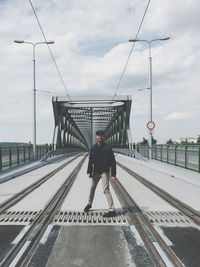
(154, 141)
(185, 142)
(144, 141)
(169, 142)
(198, 140)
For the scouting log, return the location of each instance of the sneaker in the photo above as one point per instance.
(110, 213)
(87, 208)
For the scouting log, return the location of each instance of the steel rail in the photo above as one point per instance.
(193, 214)
(23, 193)
(144, 227)
(31, 238)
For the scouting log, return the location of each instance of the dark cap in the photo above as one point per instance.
(99, 132)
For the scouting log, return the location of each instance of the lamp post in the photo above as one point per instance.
(34, 89)
(150, 82)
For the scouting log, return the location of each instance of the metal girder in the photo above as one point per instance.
(77, 120)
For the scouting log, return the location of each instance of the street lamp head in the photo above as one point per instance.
(165, 39)
(50, 42)
(133, 40)
(138, 40)
(19, 41)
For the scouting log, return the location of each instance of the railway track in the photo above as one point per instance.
(23, 193)
(193, 214)
(152, 239)
(22, 252)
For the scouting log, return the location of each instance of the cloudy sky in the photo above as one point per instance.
(91, 48)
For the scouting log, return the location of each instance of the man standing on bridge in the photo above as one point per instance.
(101, 160)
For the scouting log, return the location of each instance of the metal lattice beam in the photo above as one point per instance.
(77, 120)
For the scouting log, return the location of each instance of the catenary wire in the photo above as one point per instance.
(128, 58)
(49, 49)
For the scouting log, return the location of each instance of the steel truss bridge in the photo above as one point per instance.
(78, 119)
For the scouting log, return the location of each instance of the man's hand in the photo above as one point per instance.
(113, 178)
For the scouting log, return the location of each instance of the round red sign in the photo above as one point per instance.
(151, 125)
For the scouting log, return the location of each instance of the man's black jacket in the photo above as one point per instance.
(101, 159)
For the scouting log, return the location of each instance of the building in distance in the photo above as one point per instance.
(188, 140)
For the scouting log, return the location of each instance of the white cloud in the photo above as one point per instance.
(177, 116)
(91, 48)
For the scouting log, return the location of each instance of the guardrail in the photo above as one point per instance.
(186, 156)
(58, 152)
(129, 152)
(11, 156)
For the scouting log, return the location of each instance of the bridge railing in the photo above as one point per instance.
(11, 156)
(129, 152)
(187, 156)
(59, 152)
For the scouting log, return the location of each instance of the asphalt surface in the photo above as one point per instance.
(90, 246)
(43, 252)
(8, 233)
(99, 246)
(186, 244)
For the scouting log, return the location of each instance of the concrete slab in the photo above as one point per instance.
(146, 199)
(13, 186)
(90, 246)
(180, 183)
(37, 199)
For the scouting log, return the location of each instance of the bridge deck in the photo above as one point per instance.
(98, 242)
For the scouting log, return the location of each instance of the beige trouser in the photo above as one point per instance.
(105, 186)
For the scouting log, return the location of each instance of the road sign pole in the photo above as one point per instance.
(150, 91)
(150, 125)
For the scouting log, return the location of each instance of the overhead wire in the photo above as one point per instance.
(63, 83)
(128, 58)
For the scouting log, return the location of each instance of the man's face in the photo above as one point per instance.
(100, 138)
